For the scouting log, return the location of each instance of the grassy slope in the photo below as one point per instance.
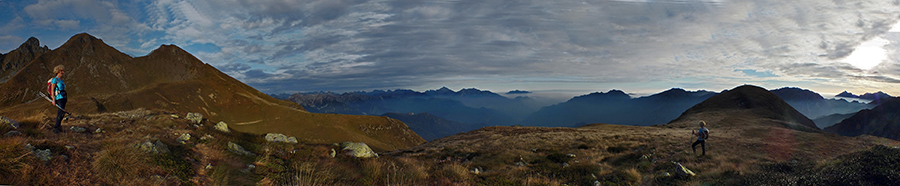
(100, 79)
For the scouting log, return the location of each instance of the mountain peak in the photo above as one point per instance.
(797, 94)
(757, 100)
(846, 95)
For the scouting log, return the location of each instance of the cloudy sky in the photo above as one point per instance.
(582, 46)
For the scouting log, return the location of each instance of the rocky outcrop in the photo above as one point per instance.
(682, 171)
(195, 118)
(184, 138)
(154, 148)
(222, 126)
(359, 150)
(237, 149)
(275, 137)
(4, 121)
(13, 62)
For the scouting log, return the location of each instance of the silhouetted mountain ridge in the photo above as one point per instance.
(752, 100)
(881, 121)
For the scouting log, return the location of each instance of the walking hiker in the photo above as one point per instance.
(58, 94)
(702, 135)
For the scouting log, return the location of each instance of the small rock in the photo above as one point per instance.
(13, 133)
(194, 117)
(570, 155)
(174, 116)
(275, 137)
(208, 166)
(237, 149)
(222, 126)
(98, 131)
(565, 165)
(183, 138)
(6, 121)
(69, 147)
(43, 155)
(333, 153)
(683, 171)
(249, 168)
(156, 148)
(476, 170)
(520, 164)
(206, 138)
(77, 129)
(665, 174)
(29, 147)
(359, 150)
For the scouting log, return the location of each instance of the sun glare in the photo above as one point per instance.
(868, 54)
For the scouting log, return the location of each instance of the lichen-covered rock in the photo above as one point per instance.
(683, 171)
(43, 155)
(77, 129)
(9, 122)
(359, 150)
(155, 148)
(184, 138)
(194, 117)
(237, 149)
(222, 126)
(275, 137)
(207, 138)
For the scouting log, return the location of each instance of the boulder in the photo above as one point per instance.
(77, 129)
(184, 138)
(237, 149)
(359, 150)
(9, 122)
(275, 137)
(682, 171)
(155, 148)
(194, 117)
(222, 126)
(43, 155)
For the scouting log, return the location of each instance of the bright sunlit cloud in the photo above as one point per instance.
(869, 54)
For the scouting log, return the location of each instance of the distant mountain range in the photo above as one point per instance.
(868, 96)
(617, 107)
(479, 108)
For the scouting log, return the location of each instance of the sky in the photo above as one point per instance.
(576, 47)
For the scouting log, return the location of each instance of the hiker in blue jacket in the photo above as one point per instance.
(58, 93)
(702, 135)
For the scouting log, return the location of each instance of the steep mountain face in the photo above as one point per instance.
(749, 101)
(12, 62)
(813, 105)
(99, 79)
(882, 121)
(429, 126)
(617, 107)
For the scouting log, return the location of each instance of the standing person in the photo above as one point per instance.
(702, 135)
(58, 93)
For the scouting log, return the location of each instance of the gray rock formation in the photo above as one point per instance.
(184, 138)
(77, 129)
(682, 171)
(6, 121)
(237, 149)
(194, 117)
(275, 137)
(155, 148)
(359, 150)
(222, 126)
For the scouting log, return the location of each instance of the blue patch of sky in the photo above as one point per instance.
(755, 73)
(203, 47)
